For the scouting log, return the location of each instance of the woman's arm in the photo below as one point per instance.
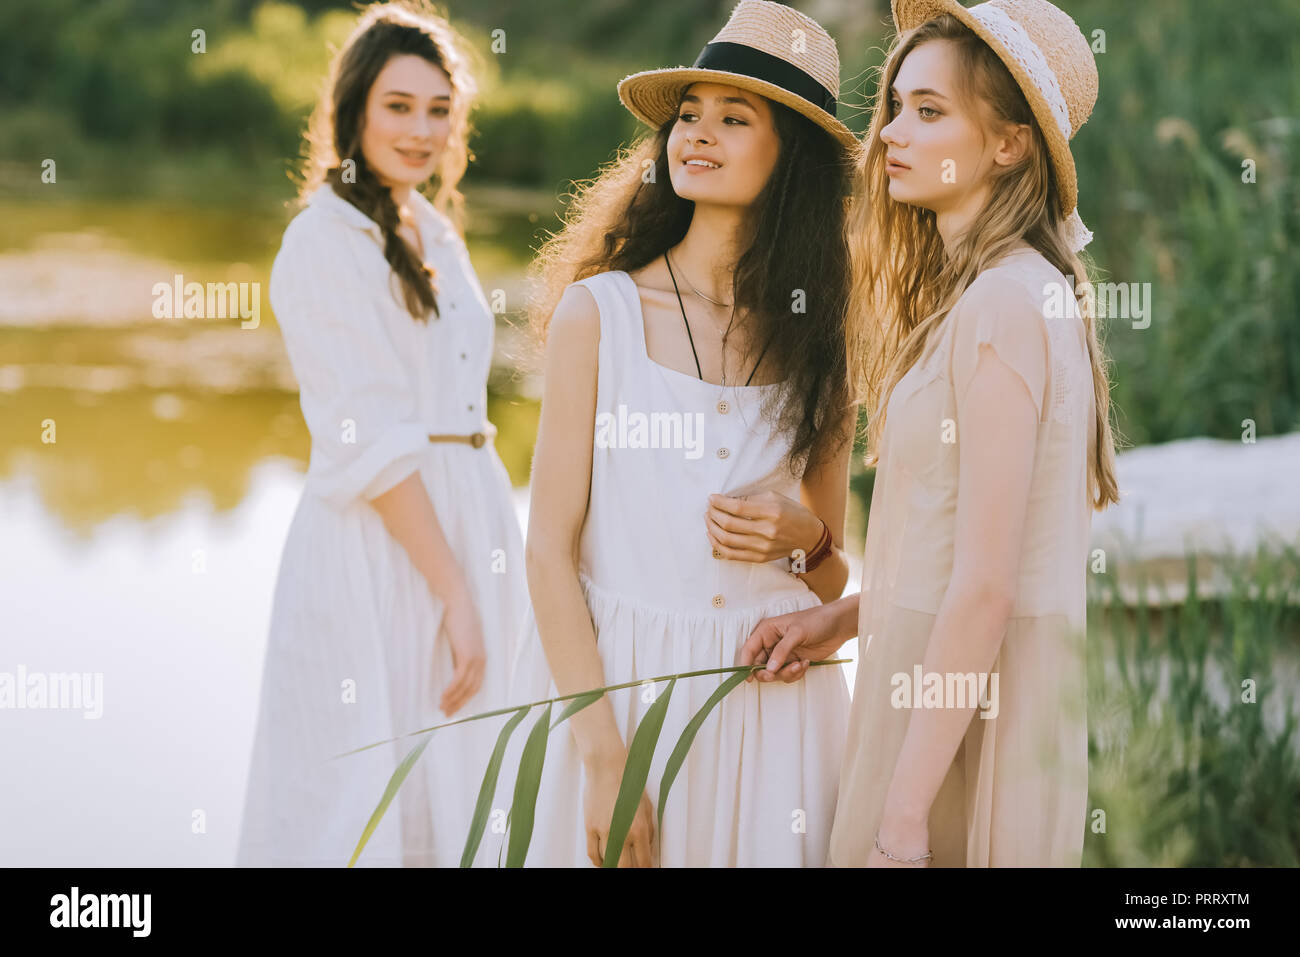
(768, 525)
(411, 519)
(825, 492)
(561, 484)
(999, 421)
(561, 487)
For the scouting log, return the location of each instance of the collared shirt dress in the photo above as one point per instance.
(1016, 793)
(758, 785)
(355, 652)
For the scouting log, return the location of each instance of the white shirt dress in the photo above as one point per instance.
(759, 785)
(355, 652)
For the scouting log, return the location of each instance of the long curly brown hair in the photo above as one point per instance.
(333, 136)
(628, 216)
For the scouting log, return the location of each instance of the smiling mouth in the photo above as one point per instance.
(702, 163)
(416, 154)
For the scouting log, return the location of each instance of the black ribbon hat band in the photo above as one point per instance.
(747, 61)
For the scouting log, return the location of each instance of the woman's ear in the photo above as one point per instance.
(1013, 145)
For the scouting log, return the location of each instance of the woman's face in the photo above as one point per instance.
(407, 120)
(724, 145)
(937, 153)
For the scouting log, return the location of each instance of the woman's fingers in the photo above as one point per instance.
(464, 683)
(792, 638)
(755, 649)
(593, 847)
(741, 548)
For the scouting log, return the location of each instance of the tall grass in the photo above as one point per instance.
(1194, 760)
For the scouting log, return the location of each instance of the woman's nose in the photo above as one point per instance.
(424, 126)
(889, 134)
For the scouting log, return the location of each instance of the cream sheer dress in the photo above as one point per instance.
(1016, 792)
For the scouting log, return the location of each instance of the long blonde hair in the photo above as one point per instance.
(904, 283)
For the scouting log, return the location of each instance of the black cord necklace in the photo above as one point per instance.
(724, 336)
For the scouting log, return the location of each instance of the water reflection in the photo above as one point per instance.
(114, 412)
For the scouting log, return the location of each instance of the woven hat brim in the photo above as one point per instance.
(654, 95)
(910, 14)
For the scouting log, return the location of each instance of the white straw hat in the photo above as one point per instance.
(1051, 60)
(766, 48)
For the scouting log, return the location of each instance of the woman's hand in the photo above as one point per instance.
(465, 634)
(603, 779)
(787, 643)
(902, 838)
(760, 527)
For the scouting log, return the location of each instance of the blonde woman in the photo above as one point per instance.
(702, 281)
(401, 585)
(967, 744)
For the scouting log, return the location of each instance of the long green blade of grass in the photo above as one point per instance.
(576, 705)
(635, 772)
(684, 743)
(529, 780)
(577, 701)
(394, 782)
(484, 806)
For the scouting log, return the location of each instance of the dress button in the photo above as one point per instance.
(717, 554)
(471, 408)
(723, 407)
(718, 601)
(723, 453)
(462, 355)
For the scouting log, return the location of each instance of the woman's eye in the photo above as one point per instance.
(686, 117)
(440, 111)
(397, 107)
(737, 121)
(931, 111)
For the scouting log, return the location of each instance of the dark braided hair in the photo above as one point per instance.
(335, 155)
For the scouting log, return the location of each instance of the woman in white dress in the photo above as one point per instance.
(687, 482)
(401, 587)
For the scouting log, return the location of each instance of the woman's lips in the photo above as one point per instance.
(415, 157)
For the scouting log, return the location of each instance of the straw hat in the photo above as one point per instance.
(766, 48)
(1050, 59)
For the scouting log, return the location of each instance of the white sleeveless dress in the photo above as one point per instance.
(758, 787)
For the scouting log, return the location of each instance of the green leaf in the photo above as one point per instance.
(394, 782)
(488, 789)
(524, 806)
(688, 738)
(577, 704)
(635, 772)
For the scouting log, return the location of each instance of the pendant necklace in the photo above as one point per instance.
(722, 406)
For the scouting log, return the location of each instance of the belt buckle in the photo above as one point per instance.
(477, 440)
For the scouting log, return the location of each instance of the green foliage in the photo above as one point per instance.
(1193, 754)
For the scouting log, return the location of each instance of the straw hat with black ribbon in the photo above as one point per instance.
(1050, 59)
(765, 48)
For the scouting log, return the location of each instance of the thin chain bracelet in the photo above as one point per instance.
(928, 855)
